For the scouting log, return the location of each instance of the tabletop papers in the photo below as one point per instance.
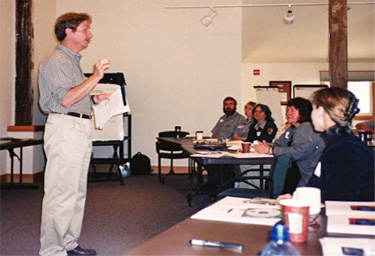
(217, 154)
(340, 246)
(108, 108)
(351, 217)
(240, 210)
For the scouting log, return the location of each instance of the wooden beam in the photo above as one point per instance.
(338, 54)
(24, 63)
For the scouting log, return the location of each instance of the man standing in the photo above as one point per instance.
(64, 96)
(227, 124)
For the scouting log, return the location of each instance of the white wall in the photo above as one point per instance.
(177, 70)
(297, 73)
(44, 16)
(7, 71)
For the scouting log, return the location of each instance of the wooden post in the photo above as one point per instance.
(338, 53)
(24, 63)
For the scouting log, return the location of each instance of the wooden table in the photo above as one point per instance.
(175, 241)
(10, 144)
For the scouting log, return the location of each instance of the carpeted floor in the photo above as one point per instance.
(117, 218)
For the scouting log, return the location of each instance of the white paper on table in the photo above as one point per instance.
(210, 154)
(251, 155)
(337, 245)
(362, 209)
(240, 210)
(218, 154)
(349, 224)
(108, 108)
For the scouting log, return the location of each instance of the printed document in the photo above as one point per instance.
(241, 210)
(108, 108)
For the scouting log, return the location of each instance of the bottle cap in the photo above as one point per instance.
(279, 232)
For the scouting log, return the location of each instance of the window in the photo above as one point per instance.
(364, 91)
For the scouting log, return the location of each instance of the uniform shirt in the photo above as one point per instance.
(226, 125)
(243, 129)
(58, 73)
(265, 131)
(305, 145)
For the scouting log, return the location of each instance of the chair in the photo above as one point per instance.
(170, 151)
(275, 182)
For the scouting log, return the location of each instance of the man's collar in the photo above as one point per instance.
(67, 51)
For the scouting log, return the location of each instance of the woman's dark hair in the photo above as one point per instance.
(266, 111)
(69, 20)
(304, 108)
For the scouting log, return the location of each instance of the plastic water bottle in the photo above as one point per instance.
(279, 244)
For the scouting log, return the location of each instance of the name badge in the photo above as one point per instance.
(318, 170)
(259, 133)
(287, 135)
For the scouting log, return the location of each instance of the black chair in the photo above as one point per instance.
(275, 182)
(170, 151)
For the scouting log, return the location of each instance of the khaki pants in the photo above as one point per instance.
(67, 144)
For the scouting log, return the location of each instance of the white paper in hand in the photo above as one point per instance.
(108, 108)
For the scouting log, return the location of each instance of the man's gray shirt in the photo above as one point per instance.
(58, 73)
(226, 126)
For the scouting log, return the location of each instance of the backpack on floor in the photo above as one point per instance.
(140, 164)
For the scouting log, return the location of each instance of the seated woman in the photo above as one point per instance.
(242, 130)
(263, 127)
(300, 139)
(346, 168)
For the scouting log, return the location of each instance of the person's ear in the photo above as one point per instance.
(321, 110)
(68, 31)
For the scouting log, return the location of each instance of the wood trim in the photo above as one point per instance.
(25, 128)
(26, 178)
(368, 117)
(165, 169)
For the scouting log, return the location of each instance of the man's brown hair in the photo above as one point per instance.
(69, 20)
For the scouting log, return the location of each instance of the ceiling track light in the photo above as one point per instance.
(289, 16)
(262, 5)
(207, 19)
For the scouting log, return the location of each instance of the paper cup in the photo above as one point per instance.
(296, 218)
(310, 196)
(246, 147)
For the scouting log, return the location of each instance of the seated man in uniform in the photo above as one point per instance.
(224, 128)
(227, 124)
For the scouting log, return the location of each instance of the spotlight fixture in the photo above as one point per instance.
(207, 19)
(289, 17)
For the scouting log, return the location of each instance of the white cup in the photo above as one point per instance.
(309, 195)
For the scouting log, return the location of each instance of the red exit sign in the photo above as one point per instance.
(256, 72)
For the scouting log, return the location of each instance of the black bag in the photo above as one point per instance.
(140, 164)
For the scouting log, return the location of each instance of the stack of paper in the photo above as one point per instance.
(347, 246)
(241, 210)
(351, 217)
(108, 108)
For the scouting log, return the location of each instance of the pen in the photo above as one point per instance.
(216, 244)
